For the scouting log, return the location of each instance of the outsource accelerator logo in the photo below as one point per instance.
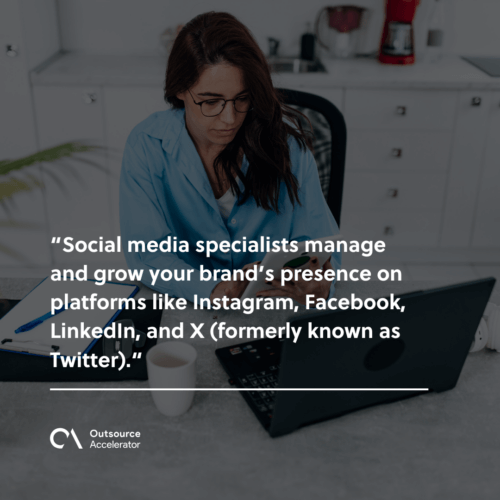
(66, 433)
(99, 444)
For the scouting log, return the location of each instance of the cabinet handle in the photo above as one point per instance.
(476, 101)
(392, 193)
(388, 230)
(11, 50)
(89, 97)
(401, 110)
(397, 152)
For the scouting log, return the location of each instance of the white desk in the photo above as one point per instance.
(432, 446)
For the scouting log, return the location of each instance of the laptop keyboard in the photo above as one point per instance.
(254, 365)
(262, 379)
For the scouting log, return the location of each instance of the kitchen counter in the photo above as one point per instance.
(433, 445)
(149, 70)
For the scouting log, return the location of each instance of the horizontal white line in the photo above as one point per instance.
(235, 389)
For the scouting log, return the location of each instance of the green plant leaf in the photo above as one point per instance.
(10, 187)
(47, 155)
(20, 225)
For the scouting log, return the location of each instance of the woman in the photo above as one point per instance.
(229, 161)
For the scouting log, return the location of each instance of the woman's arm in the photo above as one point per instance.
(142, 219)
(311, 220)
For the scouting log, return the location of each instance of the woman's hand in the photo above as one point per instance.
(298, 290)
(234, 288)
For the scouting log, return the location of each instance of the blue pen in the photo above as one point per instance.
(38, 321)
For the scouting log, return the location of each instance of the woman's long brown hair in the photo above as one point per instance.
(216, 37)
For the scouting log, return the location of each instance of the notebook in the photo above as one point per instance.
(39, 340)
(17, 367)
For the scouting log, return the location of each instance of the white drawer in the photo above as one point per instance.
(398, 150)
(395, 228)
(400, 109)
(391, 191)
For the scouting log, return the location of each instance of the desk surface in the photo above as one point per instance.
(435, 445)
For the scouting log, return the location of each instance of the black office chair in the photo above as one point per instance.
(329, 142)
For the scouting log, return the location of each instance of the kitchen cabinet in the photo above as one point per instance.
(396, 228)
(23, 221)
(399, 150)
(422, 154)
(394, 191)
(400, 109)
(398, 154)
(77, 188)
(469, 142)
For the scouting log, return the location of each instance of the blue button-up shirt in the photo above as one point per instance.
(165, 191)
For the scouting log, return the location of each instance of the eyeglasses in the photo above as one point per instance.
(214, 107)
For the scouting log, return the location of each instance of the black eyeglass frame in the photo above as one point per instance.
(223, 107)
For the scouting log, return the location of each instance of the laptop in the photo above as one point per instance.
(436, 331)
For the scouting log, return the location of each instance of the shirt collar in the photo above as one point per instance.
(178, 144)
(172, 132)
(167, 126)
(173, 129)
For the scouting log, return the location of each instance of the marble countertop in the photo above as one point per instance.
(149, 70)
(434, 445)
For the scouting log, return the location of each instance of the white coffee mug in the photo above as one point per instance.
(172, 365)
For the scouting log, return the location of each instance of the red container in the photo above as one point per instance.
(396, 44)
(345, 18)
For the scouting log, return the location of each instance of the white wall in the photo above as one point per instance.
(134, 26)
(477, 27)
(17, 129)
(40, 30)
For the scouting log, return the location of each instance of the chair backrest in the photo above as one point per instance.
(329, 142)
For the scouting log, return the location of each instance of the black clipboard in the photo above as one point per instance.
(17, 367)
